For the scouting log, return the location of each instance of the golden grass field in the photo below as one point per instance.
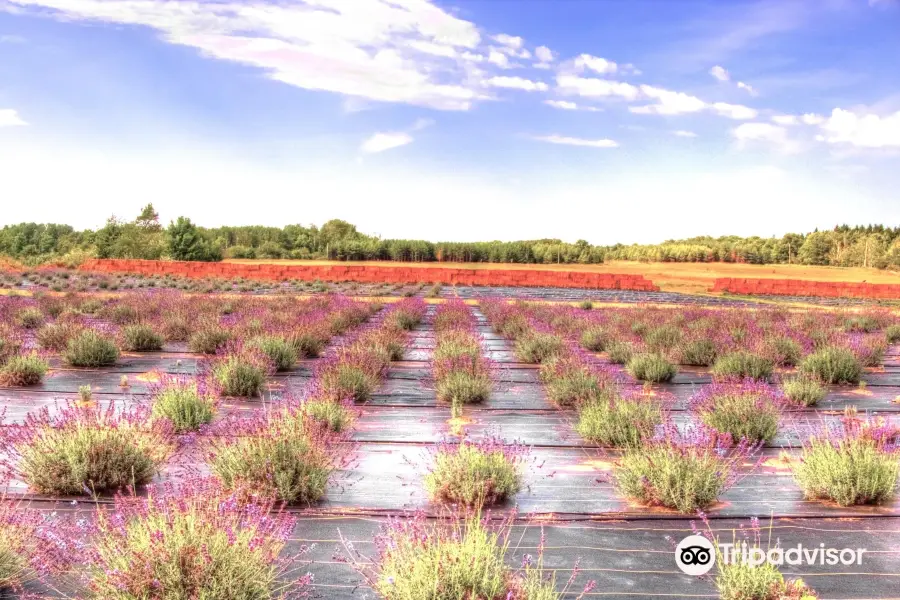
(691, 278)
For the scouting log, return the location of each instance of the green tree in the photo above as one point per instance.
(186, 242)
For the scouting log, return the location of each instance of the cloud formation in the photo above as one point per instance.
(10, 118)
(572, 141)
(385, 141)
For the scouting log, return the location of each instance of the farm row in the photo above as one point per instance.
(228, 408)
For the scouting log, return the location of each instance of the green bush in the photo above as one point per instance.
(784, 352)
(573, 387)
(307, 344)
(332, 414)
(594, 339)
(892, 334)
(209, 339)
(804, 390)
(699, 353)
(861, 324)
(90, 349)
(30, 318)
(474, 474)
(184, 406)
(463, 387)
(617, 422)
(282, 461)
(586, 305)
(619, 353)
(239, 375)
(537, 347)
(141, 338)
(282, 354)
(742, 414)
(348, 381)
(742, 364)
(663, 338)
(23, 370)
(746, 581)
(651, 367)
(832, 365)
(849, 471)
(56, 336)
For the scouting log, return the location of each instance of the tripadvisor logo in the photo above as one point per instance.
(696, 555)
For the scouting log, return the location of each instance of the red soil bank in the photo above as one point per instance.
(377, 274)
(796, 287)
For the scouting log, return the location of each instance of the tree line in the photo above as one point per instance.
(146, 238)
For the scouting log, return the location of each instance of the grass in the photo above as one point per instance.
(462, 387)
(832, 365)
(594, 339)
(209, 339)
(619, 352)
(190, 542)
(651, 367)
(804, 390)
(279, 457)
(280, 352)
(699, 353)
(23, 370)
(746, 410)
(538, 347)
(348, 381)
(744, 365)
(91, 349)
(242, 374)
(848, 468)
(185, 404)
(475, 474)
(618, 422)
(89, 449)
(334, 415)
(141, 338)
(892, 334)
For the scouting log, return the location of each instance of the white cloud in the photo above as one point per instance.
(720, 73)
(383, 50)
(517, 83)
(10, 118)
(684, 133)
(862, 130)
(566, 105)
(570, 141)
(668, 102)
(544, 54)
(385, 141)
(812, 119)
(786, 120)
(767, 133)
(499, 59)
(747, 87)
(511, 41)
(595, 88)
(594, 63)
(734, 111)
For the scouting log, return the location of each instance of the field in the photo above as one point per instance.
(324, 433)
(688, 278)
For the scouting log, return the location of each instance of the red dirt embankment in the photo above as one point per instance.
(377, 274)
(794, 287)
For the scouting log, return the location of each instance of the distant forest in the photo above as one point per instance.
(144, 237)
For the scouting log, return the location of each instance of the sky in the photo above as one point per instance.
(612, 121)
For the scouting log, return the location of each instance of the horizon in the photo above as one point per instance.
(459, 120)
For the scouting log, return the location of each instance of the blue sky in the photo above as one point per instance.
(608, 120)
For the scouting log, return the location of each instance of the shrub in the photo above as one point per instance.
(463, 387)
(861, 324)
(594, 339)
(90, 349)
(282, 354)
(663, 338)
(618, 422)
(186, 403)
(407, 314)
(23, 370)
(29, 549)
(30, 318)
(176, 327)
(892, 334)
(537, 347)
(746, 581)
(784, 351)
(348, 381)
(651, 367)
(700, 353)
(619, 353)
(307, 344)
(683, 471)
(586, 305)
(123, 314)
(744, 410)
(85, 448)
(241, 374)
(832, 365)
(743, 365)
(856, 465)
(475, 473)
(56, 336)
(804, 390)
(280, 456)
(141, 338)
(335, 416)
(209, 339)
(191, 541)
